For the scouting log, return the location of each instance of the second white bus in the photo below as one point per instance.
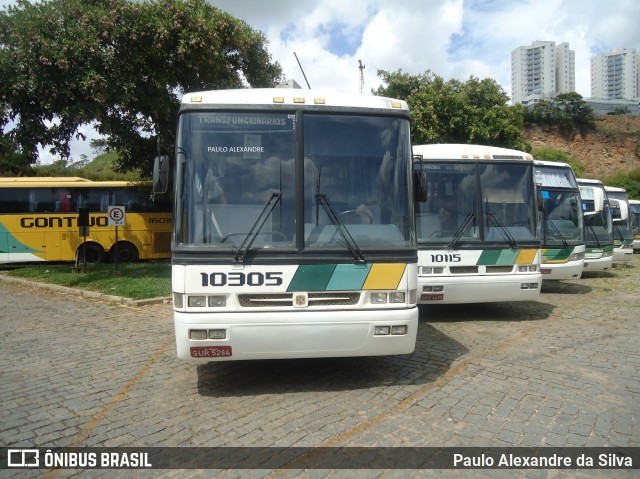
(477, 231)
(562, 221)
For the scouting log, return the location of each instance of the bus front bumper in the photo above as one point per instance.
(478, 289)
(283, 335)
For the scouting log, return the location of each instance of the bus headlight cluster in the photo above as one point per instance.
(217, 301)
(390, 330)
(204, 334)
(524, 268)
(384, 298)
(430, 270)
(576, 256)
(606, 254)
(529, 286)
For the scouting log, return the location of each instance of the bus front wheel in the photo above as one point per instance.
(123, 252)
(92, 252)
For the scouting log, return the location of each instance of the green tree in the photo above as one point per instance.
(122, 64)
(475, 111)
(629, 180)
(553, 154)
(566, 111)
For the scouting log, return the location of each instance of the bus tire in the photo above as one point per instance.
(126, 253)
(93, 252)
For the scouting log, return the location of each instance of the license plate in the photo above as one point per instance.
(545, 270)
(432, 297)
(210, 351)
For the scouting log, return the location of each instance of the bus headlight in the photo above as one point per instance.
(197, 301)
(382, 330)
(217, 301)
(378, 298)
(397, 297)
(606, 254)
(576, 256)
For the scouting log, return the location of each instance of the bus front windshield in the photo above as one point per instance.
(285, 180)
(598, 225)
(562, 223)
(477, 202)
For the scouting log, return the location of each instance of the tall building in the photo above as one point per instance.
(542, 70)
(615, 75)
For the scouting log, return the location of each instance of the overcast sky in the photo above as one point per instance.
(451, 38)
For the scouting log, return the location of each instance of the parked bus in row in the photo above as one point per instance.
(562, 221)
(39, 221)
(622, 234)
(294, 227)
(598, 225)
(634, 213)
(477, 228)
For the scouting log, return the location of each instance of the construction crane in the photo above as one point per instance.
(361, 67)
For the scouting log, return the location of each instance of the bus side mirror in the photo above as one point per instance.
(161, 174)
(419, 186)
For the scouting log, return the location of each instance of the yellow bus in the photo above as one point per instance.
(39, 221)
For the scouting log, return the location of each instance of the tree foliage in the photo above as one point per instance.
(553, 154)
(473, 112)
(121, 64)
(629, 180)
(566, 111)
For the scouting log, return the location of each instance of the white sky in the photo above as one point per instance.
(452, 38)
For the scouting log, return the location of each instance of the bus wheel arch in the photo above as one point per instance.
(124, 252)
(93, 252)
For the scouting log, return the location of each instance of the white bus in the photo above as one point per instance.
(634, 213)
(294, 228)
(562, 221)
(598, 226)
(622, 234)
(478, 234)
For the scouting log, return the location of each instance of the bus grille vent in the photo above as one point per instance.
(499, 269)
(333, 298)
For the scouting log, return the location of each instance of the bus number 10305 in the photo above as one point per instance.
(446, 258)
(241, 279)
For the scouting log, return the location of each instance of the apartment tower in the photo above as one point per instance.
(615, 75)
(542, 70)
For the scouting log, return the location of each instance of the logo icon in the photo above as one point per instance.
(23, 458)
(300, 300)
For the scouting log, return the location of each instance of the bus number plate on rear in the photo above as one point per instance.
(432, 297)
(210, 351)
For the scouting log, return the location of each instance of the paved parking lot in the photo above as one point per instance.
(560, 371)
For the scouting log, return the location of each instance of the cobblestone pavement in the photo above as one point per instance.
(559, 371)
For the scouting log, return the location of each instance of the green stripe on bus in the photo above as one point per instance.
(7, 239)
(312, 277)
(347, 277)
(555, 254)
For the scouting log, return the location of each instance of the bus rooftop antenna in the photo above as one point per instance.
(361, 67)
(305, 76)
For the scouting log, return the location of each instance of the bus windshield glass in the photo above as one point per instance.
(562, 223)
(477, 202)
(277, 180)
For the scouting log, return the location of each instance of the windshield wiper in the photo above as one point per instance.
(351, 244)
(492, 217)
(549, 222)
(257, 226)
(460, 231)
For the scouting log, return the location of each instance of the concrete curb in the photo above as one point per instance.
(87, 294)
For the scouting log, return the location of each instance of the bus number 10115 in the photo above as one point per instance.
(446, 258)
